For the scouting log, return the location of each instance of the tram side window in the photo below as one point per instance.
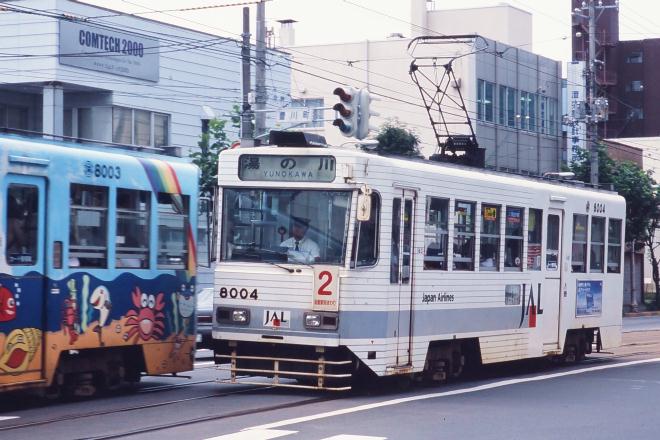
(22, 225)
(132, 241)
(534, 235)
(489, 252)
(614, 246)
(513, 240)
(552, 244)
(173, 210)
(365, 238)
(597, 253)
(436, 233)
(88, 233)
(464, 235)
(579, 251)
(396, 236)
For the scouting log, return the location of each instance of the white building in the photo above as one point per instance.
(511, 94)
(89, 73)
(72, 69)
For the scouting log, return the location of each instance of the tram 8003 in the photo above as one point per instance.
(97, 265)
(335, 263)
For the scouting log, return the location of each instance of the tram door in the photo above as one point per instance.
(551, 294)
(22, 278)
(401, 273)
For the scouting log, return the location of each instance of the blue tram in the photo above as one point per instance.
(97, 265)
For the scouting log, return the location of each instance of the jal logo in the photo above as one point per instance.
(277, 318)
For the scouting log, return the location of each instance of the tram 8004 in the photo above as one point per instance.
(97, 265)
(335, 262)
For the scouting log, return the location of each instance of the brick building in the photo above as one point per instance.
(625, 74)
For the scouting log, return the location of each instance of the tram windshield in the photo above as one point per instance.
(285, 225)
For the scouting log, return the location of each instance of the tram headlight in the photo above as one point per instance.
(312, 320)
(240, 316)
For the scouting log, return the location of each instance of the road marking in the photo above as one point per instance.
(484, 387)
(353, 437)
(254, 434)
(3, 418)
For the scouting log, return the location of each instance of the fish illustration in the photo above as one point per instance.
(20, 348)
(7, 305)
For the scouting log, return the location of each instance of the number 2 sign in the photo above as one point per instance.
(326, 289)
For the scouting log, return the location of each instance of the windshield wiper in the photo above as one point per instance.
(288, 269)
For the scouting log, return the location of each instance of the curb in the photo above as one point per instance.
(640, 314)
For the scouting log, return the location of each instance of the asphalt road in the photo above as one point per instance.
(609, 396)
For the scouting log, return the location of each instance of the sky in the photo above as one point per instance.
(334, 21)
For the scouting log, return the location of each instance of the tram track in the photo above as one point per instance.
(240, 413)
(140, 407)
(602, 358)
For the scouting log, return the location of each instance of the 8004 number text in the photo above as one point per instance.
(243, 293)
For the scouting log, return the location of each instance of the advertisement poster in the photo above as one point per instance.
(589, 300)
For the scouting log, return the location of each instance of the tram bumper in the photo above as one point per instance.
(285, 360)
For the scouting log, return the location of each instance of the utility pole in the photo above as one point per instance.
(260, 75)
(247, 134)
(596, 107)
(592, 131)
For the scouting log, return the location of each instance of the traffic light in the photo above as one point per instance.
(354, 112)
(364, 113)
(348, 111)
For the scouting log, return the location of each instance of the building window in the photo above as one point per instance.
(534, 237)
(485, 97)
(22, 225)
(597, 254)
(436, 237)
(489, 250)
(614, 246)
(88, 236)
(636, 57)
(172, 231)
(139, 127)
(579, 251)
(13, 117)
(553, 123)
(365, 238)
(532, 99)
(513, 239)
(132, 241)
(507, 109)
(464, 242)
(636, 114)
(528, 111)
(524, 115)
(161, 130)
(634, 86)
(543, 115)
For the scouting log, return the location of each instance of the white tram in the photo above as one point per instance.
(406, 267)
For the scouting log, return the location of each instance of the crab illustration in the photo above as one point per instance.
(146, 321)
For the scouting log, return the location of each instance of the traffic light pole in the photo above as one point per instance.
(260, 74)
(247, 134)
(591, 97)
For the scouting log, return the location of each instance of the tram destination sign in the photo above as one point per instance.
(287, 168)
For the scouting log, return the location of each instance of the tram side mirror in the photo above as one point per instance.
(364, 204)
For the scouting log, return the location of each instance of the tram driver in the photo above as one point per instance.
(301, 249)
